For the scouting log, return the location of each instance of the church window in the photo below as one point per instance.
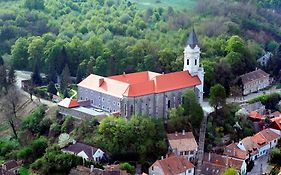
(169, 104)
(187, 61)
(195, 62)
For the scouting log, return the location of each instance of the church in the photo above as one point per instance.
(146, 93)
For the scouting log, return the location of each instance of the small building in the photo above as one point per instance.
(215, 164)
(10, 167)
(183, 144)
(85, 151)
(79, 110)
(263, 61)
(257, 106)
(275, 123)
(254, 81)
(173, 165)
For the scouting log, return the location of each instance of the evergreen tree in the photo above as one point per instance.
(65, 94)
(80, 74)
(3, 77)
(36, 77)
(1, 61)
(52, 76)
(11, 75)
(52, 88)
(61, 61)
(65, 78)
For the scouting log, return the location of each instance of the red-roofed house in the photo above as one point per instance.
(146, 93)
(255, 116)
(260, 143)
(215, 164)
(183, 144)
(275, 123)
(173, 165)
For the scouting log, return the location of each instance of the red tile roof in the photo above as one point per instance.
(255, 115)
(68, 103)
(216, 164)
(184, 141)
(269, 134)
(276, 114)
(233, 151)
(141, 83)
(276, 123)
(174, 165)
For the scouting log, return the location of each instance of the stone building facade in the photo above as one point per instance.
(146, 93)
(254, 81)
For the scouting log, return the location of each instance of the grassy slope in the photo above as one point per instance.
(176, 4)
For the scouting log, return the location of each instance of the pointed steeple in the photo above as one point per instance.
(192, 40)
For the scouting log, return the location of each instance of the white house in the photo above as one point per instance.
(87, 152)
(260, 143)
(183, 144)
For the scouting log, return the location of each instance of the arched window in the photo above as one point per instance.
(132, 110)
(169, 104)
(195, 62)
(187, 61)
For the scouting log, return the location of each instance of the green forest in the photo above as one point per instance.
(108, 37)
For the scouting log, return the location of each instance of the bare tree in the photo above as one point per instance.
(9, 104)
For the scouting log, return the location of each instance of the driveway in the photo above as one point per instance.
(261, 166)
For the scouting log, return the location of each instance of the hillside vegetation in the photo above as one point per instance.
(109, 37)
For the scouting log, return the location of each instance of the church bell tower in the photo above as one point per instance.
(192, 61)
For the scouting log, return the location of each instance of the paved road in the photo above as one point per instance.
(261, 166)
(25, 75)
(253, 95)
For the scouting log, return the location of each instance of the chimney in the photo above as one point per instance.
(176, 133)
(167, 156)
(124, 73)
(209, 157)
(162, 157)
(183, 132)
(101, 80)
(92, 168)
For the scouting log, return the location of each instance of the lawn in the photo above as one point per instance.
(176, 4)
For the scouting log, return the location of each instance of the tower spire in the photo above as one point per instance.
(192, 39)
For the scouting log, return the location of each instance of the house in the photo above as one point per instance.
(146, 93)
(275, 123)
(254, 81)
(183, 144)
(257, 106)
(264, 59)
(113, 170)
(260, 144)
(215, 164)
(173, 165)
(85, 151)
(10, 167)
(78, 110)
(255, 116)
(233, 150)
